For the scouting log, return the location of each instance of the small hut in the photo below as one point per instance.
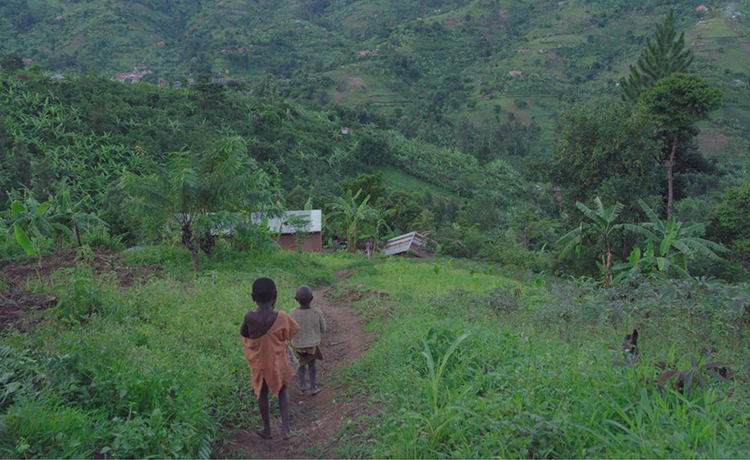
(409, 243)
(288, 226)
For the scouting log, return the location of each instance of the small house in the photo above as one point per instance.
(345, 130)
(288, 227)
(409, 243)
(702, 9)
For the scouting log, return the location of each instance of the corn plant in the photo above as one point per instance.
(437, 420)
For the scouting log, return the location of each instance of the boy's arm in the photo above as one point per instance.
(322, 321)
(244, 330)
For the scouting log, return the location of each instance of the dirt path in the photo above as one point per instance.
(315, 419)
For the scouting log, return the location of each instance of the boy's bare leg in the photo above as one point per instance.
(313, 371)
(286, 431)
(301, 374)
(265, 433)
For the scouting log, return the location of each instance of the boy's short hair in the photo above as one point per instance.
(264, 290)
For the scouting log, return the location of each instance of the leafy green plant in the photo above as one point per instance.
(29, 220)
(347, 214)
(670, 246)
(81, 296)
(698, 374)
(440, 413)
(603, 225)
(191, 188)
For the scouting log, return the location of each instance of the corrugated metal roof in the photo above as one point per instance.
(279, 224)
(403, 243)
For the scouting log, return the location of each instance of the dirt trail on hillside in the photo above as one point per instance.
(316, 420)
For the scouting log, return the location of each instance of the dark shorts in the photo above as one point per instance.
(307, 355)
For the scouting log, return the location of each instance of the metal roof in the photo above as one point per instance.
(280, 224)
(403, 243)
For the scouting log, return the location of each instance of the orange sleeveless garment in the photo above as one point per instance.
(266, 355)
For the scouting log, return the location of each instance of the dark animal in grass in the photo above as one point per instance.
(629, 345)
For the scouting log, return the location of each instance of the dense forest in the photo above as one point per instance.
(578, 169)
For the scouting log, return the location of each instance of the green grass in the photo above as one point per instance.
(157, 369)
(518, 386)
(397, 179)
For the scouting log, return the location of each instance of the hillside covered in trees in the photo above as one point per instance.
(578, 170)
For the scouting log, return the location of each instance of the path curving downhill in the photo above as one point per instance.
(316, 420)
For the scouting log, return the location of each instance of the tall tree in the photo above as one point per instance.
(675, 104)
(608, 151)
(664, 55)
(192, 190)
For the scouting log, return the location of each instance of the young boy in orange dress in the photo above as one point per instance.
(307, 343)
(264, 336)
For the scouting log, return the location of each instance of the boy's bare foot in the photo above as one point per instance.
(264, 434)
(288, 435)
(314, 391)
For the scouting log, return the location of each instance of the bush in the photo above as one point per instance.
(99, 237)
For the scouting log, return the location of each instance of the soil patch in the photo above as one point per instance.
(315, 419)
(712, 143)
(453, 21)
(17, 302)
(350, 84)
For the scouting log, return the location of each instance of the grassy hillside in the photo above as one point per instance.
(155, 367)
(477, 60)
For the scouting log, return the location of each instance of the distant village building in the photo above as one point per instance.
(133, 76)
(515, 73)
(287, 233)
(27, 61)
(346, 130)
(702, 9)
(59, 18)
(57, 78)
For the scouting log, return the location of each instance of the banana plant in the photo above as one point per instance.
(671, 244)
(348, 215)
(602, 222)
(27, 220)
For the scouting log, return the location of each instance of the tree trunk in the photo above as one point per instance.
(189, 242)
(607, 264)
(78, 234)
(196, 258)
(207, 244)
(670, 175)
(352, 241)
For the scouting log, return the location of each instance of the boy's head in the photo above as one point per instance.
(264, 290)
(304, 296)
